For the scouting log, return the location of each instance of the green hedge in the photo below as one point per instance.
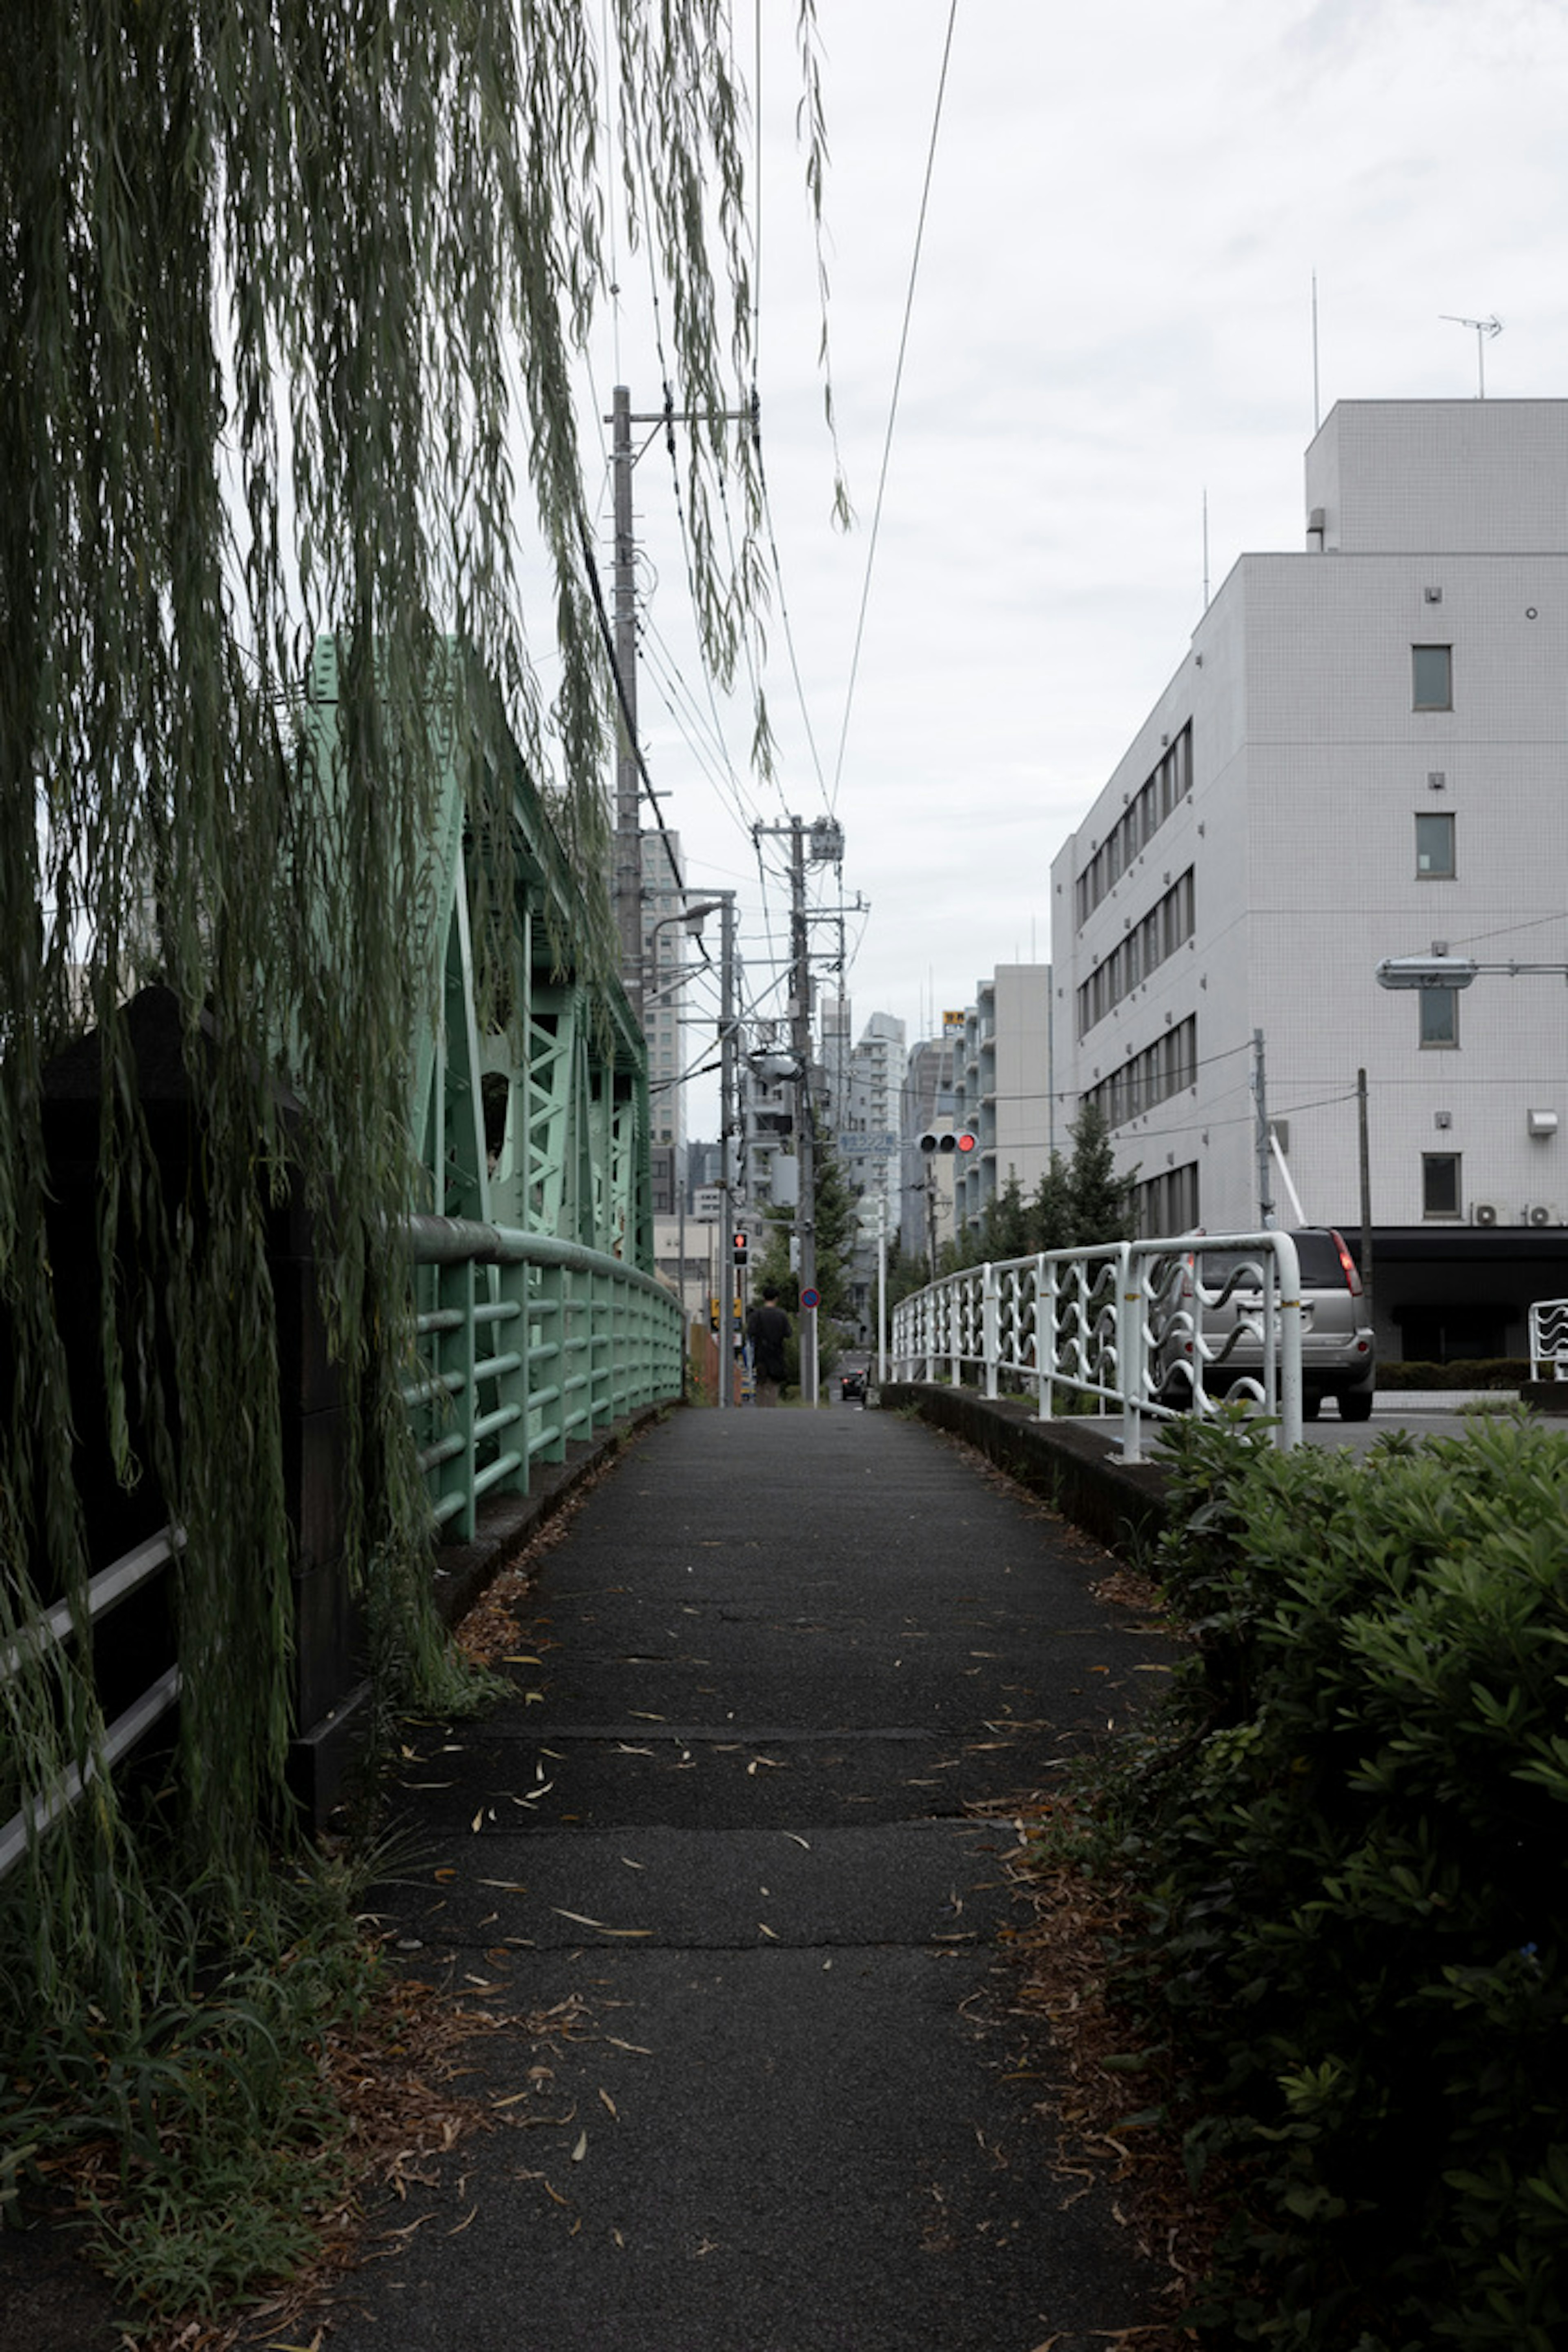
(1352, 1829)
(1508, 1373)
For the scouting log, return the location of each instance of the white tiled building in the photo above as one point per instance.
(1364, 752)
(1002, 1086)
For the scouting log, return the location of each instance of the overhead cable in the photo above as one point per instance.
(893, 406)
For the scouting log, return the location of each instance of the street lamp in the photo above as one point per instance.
(1433, 970)
(1454, 971)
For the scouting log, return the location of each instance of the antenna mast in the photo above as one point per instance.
(1484, 329)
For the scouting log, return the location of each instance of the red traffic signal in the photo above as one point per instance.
(738, 1248)
(960, 1138)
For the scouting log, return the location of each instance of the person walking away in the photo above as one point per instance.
(767, 1329)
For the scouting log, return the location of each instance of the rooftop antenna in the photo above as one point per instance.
(1484, 330)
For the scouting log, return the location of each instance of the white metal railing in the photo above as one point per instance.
(37, 1636)
(1549, 1339)
(1122, 1323)
(526, 1343)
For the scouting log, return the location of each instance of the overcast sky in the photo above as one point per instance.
(1113, 315)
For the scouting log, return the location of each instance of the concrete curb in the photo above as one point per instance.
(1124, 1505)
(507, 1522)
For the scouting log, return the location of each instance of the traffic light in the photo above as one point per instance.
(961, 1139)
(738, 1248)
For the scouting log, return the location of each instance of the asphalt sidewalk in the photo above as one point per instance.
(745, 1835)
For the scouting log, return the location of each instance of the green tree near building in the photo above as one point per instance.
(1081, 1200)
(836, 1230)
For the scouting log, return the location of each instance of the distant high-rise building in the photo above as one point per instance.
(666, 949)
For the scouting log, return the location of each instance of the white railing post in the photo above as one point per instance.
(1044, 1333)
(1290, 1348)
(1131, 1354)
(990, 1331)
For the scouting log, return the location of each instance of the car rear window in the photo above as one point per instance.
(1220, 1264)
(1320, 1262)
(1320, 1267)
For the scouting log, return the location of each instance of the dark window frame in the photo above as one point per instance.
(1424, 694)
(1442, 1171)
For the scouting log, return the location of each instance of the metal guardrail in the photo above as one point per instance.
(40, 1810)
(1549, 1339)
(1122, 1323)
(526, 1343)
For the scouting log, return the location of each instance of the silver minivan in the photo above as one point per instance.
(1218, 1293)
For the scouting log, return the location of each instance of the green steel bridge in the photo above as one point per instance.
(536, 1323)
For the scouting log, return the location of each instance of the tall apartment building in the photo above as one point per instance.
(1002, 1086)
(870, 1145)
(925, 1184)
(1364, 755)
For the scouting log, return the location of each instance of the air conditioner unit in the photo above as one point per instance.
(1541, 1214)
(1483, 1213)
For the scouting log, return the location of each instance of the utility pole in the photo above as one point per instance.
(629, 804)
(805, 1132)
(1365, 1158)
(822, 843)
(1260, 1099)
(729, 1321)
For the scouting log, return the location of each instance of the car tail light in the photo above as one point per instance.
(1351, 1271)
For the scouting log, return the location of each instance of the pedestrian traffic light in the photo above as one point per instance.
(962, 1139)
(738, 1248)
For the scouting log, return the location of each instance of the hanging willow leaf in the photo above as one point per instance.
(290, 299)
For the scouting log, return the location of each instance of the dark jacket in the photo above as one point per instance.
(767, 1329)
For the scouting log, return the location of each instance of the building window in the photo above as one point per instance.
(1439, 1184)
(1434, 848)
(1432, 669)
(1167, 926)
(1439, 1016)
(1152, 802)
(1164, 1068)
(1168, 1203)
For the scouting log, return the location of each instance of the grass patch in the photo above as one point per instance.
(205, 2142)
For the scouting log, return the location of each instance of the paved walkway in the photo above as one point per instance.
(733, 1820)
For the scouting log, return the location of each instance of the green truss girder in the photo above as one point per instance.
(564, 1149)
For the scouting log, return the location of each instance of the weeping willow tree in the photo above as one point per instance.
(291, 294)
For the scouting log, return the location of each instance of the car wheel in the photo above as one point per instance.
(1356, 1406)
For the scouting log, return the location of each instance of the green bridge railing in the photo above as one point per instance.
(526, 1343)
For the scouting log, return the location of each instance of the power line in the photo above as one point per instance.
(893, 408)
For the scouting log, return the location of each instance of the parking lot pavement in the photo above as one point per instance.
(1423, 1412)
